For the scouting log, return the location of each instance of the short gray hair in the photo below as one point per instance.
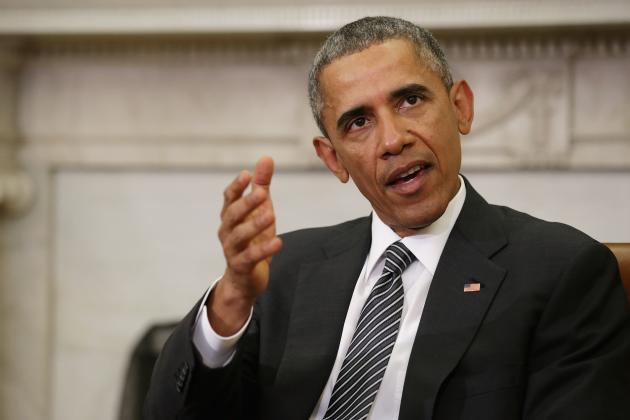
(363, 33)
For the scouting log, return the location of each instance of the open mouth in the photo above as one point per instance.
(409, 174)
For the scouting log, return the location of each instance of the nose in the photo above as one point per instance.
(394, 134)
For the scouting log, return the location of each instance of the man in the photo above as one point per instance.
(439, 305)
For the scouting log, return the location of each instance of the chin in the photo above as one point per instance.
(425, 218)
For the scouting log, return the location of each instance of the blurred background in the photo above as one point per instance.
(122, 120)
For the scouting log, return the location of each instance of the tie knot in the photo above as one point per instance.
(398, 257)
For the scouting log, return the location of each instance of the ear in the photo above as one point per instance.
(463, 103)
(327, 153)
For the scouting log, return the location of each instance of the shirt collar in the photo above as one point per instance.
(427, 244)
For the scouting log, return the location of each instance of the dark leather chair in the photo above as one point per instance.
(139, 369)
(622, 253)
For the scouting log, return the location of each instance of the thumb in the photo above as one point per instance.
(263, 173)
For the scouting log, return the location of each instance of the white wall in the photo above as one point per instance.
(597, 203)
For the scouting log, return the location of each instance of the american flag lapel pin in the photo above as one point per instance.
(472, 286)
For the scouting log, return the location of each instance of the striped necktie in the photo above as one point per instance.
(371, 346)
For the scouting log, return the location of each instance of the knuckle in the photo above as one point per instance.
(249, 200)
(242, 264)
(236, 266)
(227, 219)
(230, 242)
(234, 213)
(231, 216)
(255, 197)
(223, 235)
(228, 193)
(251, 254)
(264, 219)
(238, 238)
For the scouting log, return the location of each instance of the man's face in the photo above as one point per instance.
(394, 129)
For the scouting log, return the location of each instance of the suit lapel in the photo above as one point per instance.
(451, 316)
(320, 305)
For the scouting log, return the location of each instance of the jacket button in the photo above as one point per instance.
(180, 376)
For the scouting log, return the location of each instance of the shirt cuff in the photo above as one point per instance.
(216, 351)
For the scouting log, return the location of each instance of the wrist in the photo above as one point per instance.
(228, 308)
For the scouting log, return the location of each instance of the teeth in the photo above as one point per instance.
(410, 171)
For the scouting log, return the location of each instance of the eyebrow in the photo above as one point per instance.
(349, 115)
(410, 89)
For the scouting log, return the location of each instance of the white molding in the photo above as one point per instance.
(304, 19)
(525, 120)
(491, 46)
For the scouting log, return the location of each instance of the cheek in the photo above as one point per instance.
(360, 156)
(364, 174)
(443, 140)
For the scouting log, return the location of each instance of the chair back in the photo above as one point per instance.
(622, 253)
(139, 369)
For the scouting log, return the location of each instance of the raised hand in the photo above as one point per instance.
(248, 237)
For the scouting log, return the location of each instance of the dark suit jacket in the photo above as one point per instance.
(547, 337)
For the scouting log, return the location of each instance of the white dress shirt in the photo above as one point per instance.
(427, 246)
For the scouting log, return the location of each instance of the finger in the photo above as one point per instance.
(243, 234)
(245, 261)
(238, 211)
(263, 173)
(235, 189)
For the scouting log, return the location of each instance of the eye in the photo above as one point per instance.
(410, 100)
(357, 123)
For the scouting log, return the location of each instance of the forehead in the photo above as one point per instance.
(373, 72)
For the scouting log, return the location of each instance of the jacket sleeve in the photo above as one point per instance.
(183, 388)
(580, 353)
